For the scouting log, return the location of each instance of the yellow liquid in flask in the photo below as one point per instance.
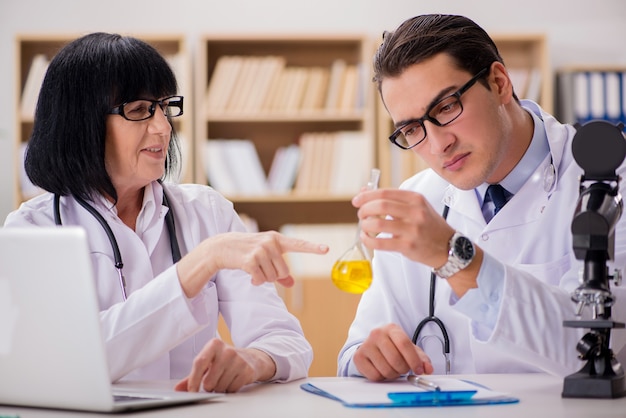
(352, 276)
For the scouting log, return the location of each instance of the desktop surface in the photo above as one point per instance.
(539, 395)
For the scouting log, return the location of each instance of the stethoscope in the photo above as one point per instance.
(549, 176)
(445, 343)
(117, 256)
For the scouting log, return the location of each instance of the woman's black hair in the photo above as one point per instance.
(85, 79)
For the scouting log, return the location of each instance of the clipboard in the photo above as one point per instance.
(361, 393)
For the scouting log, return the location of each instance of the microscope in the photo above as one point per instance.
(599, 148)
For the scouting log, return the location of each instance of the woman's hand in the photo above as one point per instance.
(220, 367)
(259, 254)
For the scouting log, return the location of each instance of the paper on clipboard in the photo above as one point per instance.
(362, 393)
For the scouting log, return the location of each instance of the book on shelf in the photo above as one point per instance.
(584, 95)
(233, 167)
(349, 89)
(284, 169)
(270, 68)
(307, 169)
(596, 95)
(338, 236)
(295, 93)
(581, 97)
(335, 82)
(222, 82)
(352, 162)
(216, 167)
(335, 163)
(315, 92)
(533, 87)
(613, 96)
(243, 84)
(32, 85)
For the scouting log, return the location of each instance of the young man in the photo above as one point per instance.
(503, 282)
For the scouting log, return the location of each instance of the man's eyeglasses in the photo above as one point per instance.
(441, 113)
(144, 109)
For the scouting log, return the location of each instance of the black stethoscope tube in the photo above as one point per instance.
(117, 256)
(431, 314)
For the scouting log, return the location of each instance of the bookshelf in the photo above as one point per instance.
(34, 51)
(585, 92)
(317, 91)
(525, 56)
(250, 108)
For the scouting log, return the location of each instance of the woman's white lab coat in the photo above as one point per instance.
(531, 238)
(157, 332)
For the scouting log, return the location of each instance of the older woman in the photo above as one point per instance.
(168, 258)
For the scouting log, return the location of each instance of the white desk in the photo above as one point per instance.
(540, 396)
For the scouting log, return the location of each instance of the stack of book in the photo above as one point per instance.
(333, 162)
(585, 95)
(252, 84)
(233, 167)
(336, 163)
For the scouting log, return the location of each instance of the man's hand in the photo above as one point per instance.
(388, 353)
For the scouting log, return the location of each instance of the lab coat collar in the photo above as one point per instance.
(527, 205)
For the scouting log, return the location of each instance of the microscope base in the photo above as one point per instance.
(582, 385)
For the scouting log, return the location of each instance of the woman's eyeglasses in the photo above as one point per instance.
(144, 109)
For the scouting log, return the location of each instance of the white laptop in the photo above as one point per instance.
(51, 348)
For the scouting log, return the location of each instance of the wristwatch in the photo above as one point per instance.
(460, 255)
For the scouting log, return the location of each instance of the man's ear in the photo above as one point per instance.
(500, 81)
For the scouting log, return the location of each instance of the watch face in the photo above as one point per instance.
(464, 248)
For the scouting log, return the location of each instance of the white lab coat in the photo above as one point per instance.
(531, 239)
(157, 332)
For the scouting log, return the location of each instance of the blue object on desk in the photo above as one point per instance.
(433, 397)
(419, 399)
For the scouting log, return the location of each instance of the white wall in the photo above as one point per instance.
(579, 31)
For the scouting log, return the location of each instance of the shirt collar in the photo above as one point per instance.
(534, 156)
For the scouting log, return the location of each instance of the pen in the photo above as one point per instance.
(423, 383)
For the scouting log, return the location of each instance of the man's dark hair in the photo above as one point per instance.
(422, 37)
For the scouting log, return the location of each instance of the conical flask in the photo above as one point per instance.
(352, 272)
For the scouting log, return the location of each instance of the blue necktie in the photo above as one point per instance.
(499, 196)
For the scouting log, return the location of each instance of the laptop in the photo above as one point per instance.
(52, 352)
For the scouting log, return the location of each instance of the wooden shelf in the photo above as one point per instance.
(272, 128)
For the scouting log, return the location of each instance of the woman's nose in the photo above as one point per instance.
(159, 122)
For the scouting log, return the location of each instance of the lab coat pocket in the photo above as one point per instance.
(551, 272)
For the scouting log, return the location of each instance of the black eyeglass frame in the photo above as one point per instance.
(167, 102)
(465, 87)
